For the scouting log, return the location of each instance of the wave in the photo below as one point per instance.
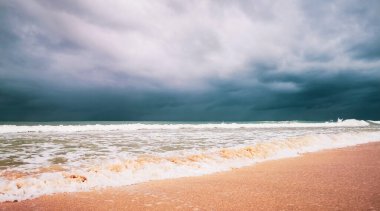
(374, 122)
(118, 172)
(141, 126)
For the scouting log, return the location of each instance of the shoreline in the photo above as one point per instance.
(345, 178)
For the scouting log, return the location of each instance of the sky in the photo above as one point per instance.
(172, 60)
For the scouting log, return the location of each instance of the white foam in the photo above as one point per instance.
(124, 172)
(140, 126)
(375, 122)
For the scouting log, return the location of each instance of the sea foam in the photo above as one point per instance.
(46, 159)
(120, 172)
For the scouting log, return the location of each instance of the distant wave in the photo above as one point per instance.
(375, 122)
(141, 126)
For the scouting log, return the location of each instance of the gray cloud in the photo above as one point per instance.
(170, 60)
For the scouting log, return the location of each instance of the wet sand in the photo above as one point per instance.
(340, 179)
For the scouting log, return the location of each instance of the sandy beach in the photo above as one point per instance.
(340, 179)
(189, 105)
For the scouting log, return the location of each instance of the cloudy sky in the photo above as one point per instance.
(189, 60)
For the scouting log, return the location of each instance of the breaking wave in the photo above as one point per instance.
(374, 122)
(141, 126)
(16, 185)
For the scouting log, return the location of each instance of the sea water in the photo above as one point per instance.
(46, 158)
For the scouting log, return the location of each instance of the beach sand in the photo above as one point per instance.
(340, 179)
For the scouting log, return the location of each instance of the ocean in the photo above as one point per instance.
(51, 157)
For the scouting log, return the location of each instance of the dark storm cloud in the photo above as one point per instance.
(169, 60)
(317, 97)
